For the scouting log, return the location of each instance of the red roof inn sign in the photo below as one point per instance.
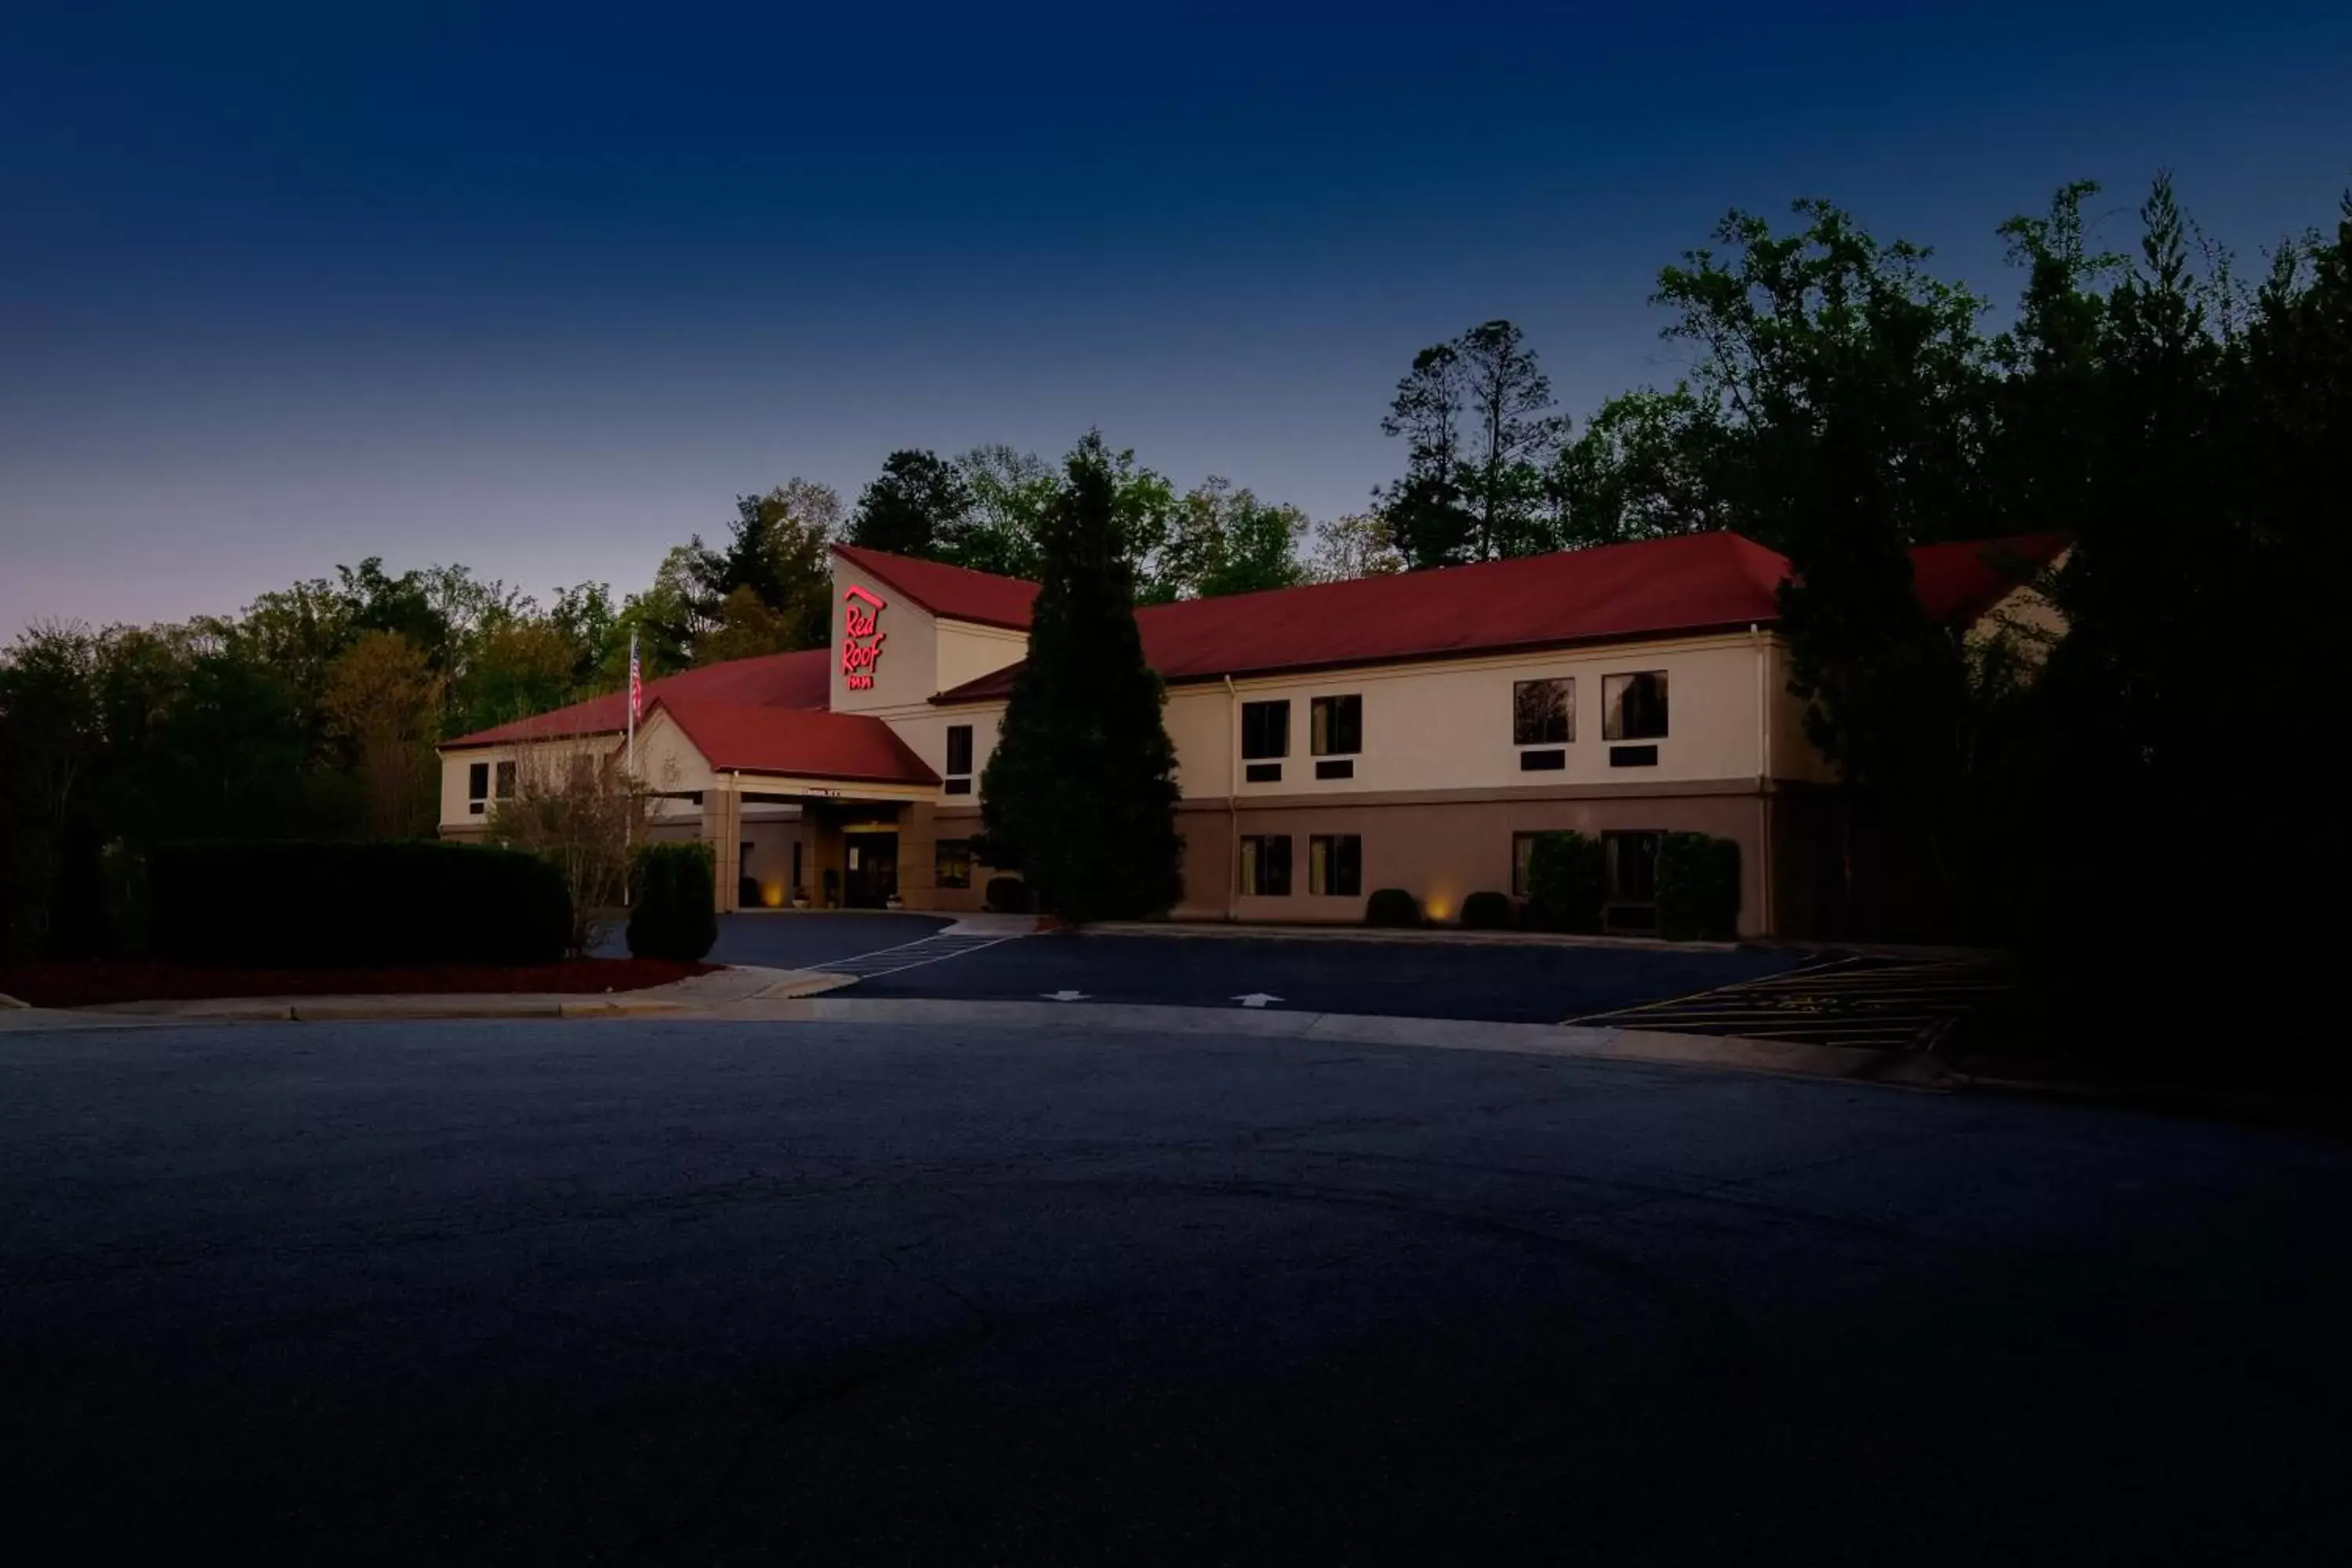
(861, 645)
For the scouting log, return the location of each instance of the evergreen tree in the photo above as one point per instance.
(1080, 794)
(914, 508)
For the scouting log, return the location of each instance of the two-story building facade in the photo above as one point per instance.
(1413, 731)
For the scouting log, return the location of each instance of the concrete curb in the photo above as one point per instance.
(1780, 1057)
(1441, 936)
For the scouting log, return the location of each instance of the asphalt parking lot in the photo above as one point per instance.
(741, 1293)
(1529, 984)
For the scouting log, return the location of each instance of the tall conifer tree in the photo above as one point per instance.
(1080, 794)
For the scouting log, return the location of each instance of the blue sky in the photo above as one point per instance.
(542, 293)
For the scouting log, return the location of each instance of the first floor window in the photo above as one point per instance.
(1265, 730)
(1523, 851)
(1266, 865)
(1634, 707)
(1632, 867)
(506, 781)
(1543, 713)
(1336, 726)
(1335, 865)
(953, 864)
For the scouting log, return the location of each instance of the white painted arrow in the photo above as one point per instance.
(1063, 995)
(1257, 999)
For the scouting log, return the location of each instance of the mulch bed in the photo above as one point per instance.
(96, 983)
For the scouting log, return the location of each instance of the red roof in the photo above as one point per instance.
(1959, 582)
(952, 593)
(737, 737)
(1683, 585)
(801, 680)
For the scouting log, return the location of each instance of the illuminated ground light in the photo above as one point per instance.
(771, 894)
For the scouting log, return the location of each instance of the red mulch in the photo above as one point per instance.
(93, 984)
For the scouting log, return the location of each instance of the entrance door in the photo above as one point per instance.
(873, 866)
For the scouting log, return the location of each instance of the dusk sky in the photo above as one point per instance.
(281, 289)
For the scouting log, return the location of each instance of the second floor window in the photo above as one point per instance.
(1265, 730)
(506, 781)
(1336, 726)
(1543, 713)
(959, 771)
(1634, 707)
(477, 787)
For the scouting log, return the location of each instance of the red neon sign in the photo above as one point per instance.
(861, 645)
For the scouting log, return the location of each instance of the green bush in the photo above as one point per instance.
(1487, 912)
(674, 914)
(1698, 888)
(1392, 907)
(309, 905)
(1566, 881)
(1009, 896)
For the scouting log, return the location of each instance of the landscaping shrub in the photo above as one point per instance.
(1566, 881)
(1487, 912)
(1392, 907)
(1698, 888)
(674, 914)
(1009, 896)
(295, 904)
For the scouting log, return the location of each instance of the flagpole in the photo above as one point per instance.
(628, 822)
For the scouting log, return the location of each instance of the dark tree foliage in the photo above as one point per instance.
(915, 507)
(1080, 793)
(1479, 437)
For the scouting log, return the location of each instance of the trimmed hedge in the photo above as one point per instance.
(1567, 882)
(674, 912)
(1487, 912)
(1011, 896)
(1698, 888)
(1392, 907)
(296, 904)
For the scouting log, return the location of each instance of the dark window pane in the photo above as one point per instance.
(1523, 848)
(1633, 706)
(478, 782)
(506, 781)
(1265, 730)
(1336, 726)
(959, 748)
(1262, 773)
(1266, 865)
(1632, 867)
(1543, 713)
(1335, 864)
(953, 864)
(1633, 756)
(1543, 761)
(1336, 768)
(959, 786)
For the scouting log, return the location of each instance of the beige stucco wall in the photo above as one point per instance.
(1447, 725)
(966, 651)
(907, 673)
(1443, 851)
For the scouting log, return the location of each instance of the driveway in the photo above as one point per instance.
(668, 1292)
(1526, 984)
(807, 939)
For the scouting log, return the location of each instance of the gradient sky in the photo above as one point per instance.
(541, 291)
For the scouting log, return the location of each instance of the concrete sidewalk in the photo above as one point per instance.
(703, 994)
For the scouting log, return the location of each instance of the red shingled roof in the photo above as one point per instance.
(953, 593)
(801, 680)
(1660, 587)
(736, 737)
(1959, 582)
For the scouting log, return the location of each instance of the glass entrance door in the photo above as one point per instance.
(873, 869)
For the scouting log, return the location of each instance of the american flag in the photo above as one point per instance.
(636, 684)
